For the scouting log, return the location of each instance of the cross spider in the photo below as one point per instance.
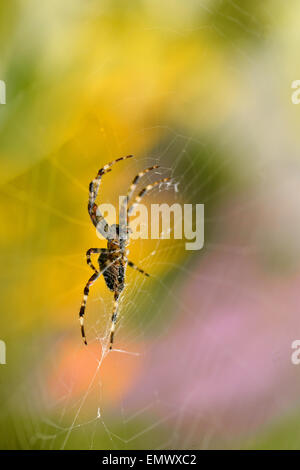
(113, 259)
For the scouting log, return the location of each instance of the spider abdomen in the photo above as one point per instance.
(113, 272)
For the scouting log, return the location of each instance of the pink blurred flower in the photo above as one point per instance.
(225, 364)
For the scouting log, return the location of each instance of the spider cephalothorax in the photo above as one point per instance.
(113, 259)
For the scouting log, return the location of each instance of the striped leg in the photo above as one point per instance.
(144, 192)
(127, 199)
(114, 319)
(96, 216)
(86, 291)
(92, 251)
(137, 179)
(134, 266)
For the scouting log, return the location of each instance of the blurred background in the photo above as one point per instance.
(203, 347)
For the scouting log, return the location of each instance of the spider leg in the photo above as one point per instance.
(114, 318)
(134, 266)
(133, 185)
(92, 251)
(86, 291)
(96, 216)
(144, 192)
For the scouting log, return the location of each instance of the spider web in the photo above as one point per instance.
(83, 415)
(135, 332)
(77, 409)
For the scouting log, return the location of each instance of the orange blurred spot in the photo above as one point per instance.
(80, 370)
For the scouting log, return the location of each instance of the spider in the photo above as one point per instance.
(113, 259)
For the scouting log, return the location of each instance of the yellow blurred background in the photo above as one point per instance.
(204, 90)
